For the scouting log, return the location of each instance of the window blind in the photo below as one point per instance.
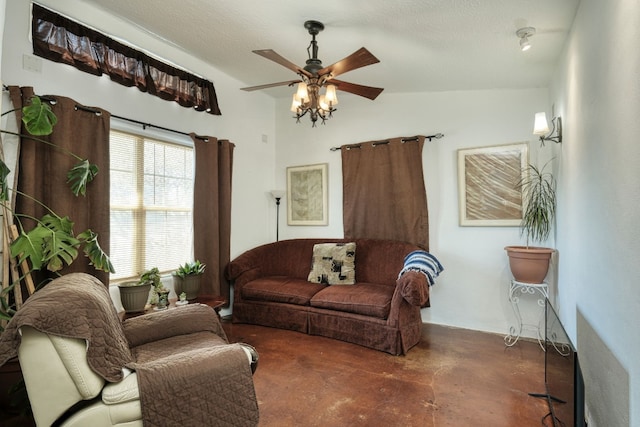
(151, 204)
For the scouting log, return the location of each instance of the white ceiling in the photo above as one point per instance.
(422, 45)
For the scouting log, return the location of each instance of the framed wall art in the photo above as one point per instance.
(487, 178)
(307, 195)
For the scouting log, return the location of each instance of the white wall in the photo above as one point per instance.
(472, 291)
(243, 119)
(597, 89)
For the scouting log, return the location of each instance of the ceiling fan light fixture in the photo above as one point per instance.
(315, 93)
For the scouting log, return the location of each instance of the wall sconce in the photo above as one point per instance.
(277, 194)
(541, 127)
(524, 34)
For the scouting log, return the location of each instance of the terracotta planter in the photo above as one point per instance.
(190, 285)
(134, 298)
(529, 264)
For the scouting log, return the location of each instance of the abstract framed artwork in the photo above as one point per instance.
(487, 178)
(307, 195)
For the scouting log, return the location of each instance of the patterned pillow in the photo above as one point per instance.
(333, 264)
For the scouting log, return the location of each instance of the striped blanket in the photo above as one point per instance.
(423, 262)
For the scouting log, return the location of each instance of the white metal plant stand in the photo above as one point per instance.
(516, 289)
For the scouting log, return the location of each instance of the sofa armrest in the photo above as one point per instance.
(169, 323)
(239, 266)
(414, 288)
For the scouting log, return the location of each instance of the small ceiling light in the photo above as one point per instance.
(524, 34)
(541, 127)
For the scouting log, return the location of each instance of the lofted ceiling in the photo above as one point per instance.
(422, 45)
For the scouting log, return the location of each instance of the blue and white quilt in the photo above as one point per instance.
(423, 262)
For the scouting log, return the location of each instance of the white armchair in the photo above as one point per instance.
(83, 367)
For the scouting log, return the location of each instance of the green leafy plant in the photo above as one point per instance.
(151, 276)
(190, 269)
(539, 195)
(51, 243)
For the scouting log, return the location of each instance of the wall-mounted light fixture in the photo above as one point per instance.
(541, 128)
(524, 34)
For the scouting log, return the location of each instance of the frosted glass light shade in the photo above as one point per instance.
(540, 125)
(330, 96)
(295, 104)
(322, 102)
(302, 93)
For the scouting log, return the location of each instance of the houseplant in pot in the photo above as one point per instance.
(135, 294)
(530, 264)
(187, 279)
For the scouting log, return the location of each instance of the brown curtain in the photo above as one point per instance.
(384, 195)
(212, 211)
(43, 172)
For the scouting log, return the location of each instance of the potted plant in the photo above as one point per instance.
(187, 279)
(160, 294)
(134, 295)
(530, 264)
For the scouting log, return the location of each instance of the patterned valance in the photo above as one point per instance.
(63, 40)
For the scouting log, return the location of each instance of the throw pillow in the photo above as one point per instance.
(333, 264)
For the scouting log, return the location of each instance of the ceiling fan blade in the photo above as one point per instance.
(268, 85)
(365, 91)
(275, 57)
(360, 58)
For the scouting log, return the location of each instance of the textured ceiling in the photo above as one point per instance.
(422, 45)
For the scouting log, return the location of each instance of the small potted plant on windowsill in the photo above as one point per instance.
(187, 279)
(135, 294)
(530, 264)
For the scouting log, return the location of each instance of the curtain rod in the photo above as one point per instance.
(383, 142)
(98, 112)
(138, 122)
(149, 125)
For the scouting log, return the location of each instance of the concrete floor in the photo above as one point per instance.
(454, 377)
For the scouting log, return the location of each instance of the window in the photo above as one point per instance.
(151, 204)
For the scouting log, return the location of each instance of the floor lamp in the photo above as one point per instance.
(277, 194)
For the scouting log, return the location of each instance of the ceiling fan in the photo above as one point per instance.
(313, 77)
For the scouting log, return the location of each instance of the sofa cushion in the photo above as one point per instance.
(333, 264)
(368, 299)
(281, 289)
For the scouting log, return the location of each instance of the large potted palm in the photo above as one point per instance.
(530, 264)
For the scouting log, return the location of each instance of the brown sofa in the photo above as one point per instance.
(379, 311)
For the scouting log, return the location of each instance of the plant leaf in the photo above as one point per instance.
(94, 252)
(80, 175)
(38, 117)
(50, 243)
(4, 189)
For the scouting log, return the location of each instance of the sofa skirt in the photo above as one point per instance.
(354, 328)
